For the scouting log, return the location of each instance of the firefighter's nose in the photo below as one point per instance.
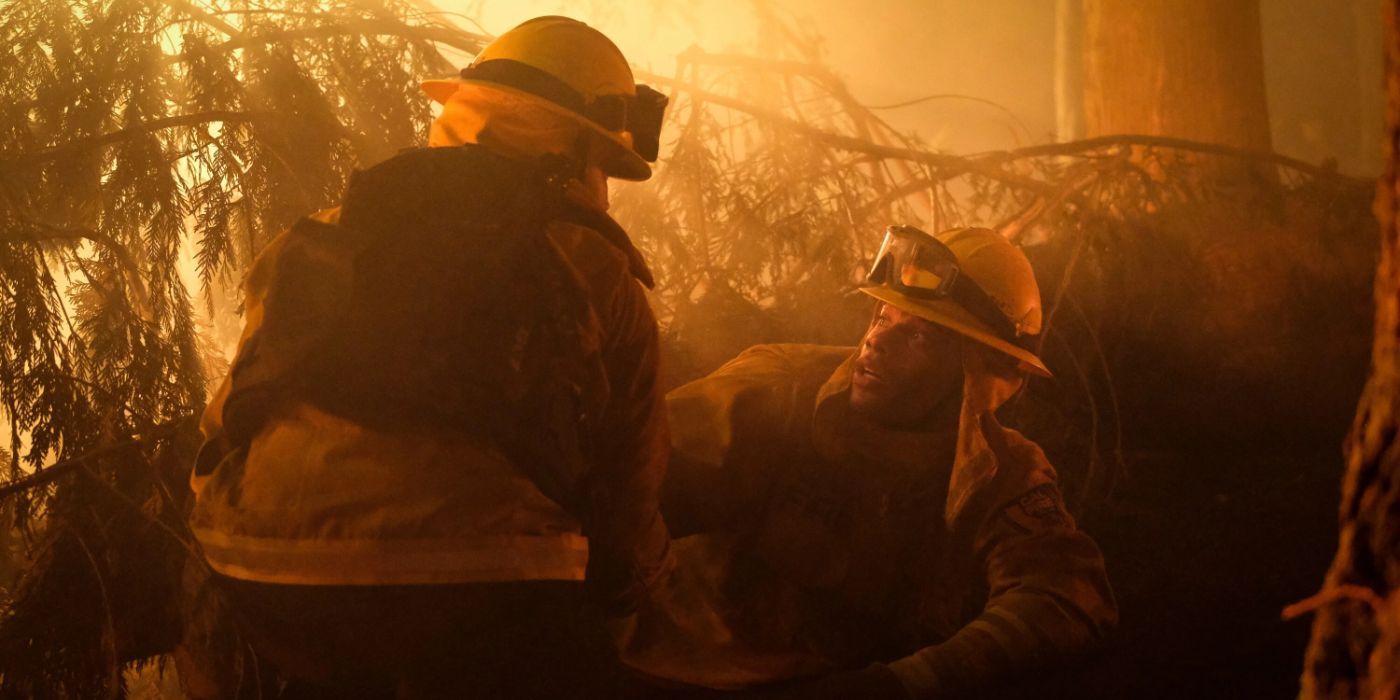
(877, 340)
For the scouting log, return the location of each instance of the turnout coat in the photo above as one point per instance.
(823, 542)
(317, 497)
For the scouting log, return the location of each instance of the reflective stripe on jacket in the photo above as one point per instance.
(832, 543)
(318, 499)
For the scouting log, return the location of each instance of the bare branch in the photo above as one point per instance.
(949, 166)
(1071, 148)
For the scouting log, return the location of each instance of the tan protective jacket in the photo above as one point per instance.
(832, 543)
(323, 500)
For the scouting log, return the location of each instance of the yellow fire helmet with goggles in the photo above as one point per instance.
(970, 280)
(572, 69)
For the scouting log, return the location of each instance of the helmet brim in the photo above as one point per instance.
(620, 162)
(948, 314)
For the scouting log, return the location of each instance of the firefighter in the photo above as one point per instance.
(443, 431)
(861, 521)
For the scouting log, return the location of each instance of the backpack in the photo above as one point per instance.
(438, 303)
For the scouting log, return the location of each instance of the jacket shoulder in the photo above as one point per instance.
(785, 363)
(1025, 486)
(592, 257)
(764, 392)
(1032, 468)
(1027, 470)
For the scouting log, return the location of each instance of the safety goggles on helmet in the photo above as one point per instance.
(920, 266)
(641, 115)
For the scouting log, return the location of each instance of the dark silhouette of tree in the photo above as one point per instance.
(1355, 647)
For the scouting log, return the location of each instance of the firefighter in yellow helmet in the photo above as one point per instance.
(566, 68)
(443, 433)
(859, 524)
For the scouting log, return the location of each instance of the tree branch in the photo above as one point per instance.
(1070, 148)
(456, 38)
(949, 166)
(54, 471)
(450, 36)
(200, 14)
(984, 164)
(171, 122)
(81, 233)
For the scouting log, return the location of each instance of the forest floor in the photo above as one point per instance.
(1204, 551)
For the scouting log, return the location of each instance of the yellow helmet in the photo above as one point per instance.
(970, 280)
(573, 70)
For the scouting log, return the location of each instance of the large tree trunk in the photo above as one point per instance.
(1069, 70)
(1355, 648)
(1370, 77)
(1191, 69)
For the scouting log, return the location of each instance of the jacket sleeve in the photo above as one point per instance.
(1048, 598)
(255, 288)
(717, 422)
(211, 422)
(628, 541)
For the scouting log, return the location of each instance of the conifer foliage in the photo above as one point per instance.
(135, 134)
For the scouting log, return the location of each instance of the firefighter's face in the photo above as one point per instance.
(906, 367)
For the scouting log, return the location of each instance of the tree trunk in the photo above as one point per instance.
(1187, 68)
(1371, 79)
(1355, 647)
(1069, 70)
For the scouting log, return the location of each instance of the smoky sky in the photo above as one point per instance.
(989, 66)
